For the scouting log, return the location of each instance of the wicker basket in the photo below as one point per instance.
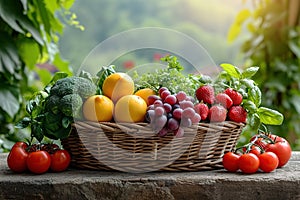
(135, 148)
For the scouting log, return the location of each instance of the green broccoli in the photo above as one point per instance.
(70, 105)
(73, 85)
(52, 103)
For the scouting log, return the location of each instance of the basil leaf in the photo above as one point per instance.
(254, 95)
(254, 121)
(269, 116)
(37, 132)
(57, 76)
(248, 83)
(23, 123)
(250, 106)
(66, 122)
(231, 70)
(249, 72)
(102, 75)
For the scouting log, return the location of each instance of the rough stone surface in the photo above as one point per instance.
(283, 184)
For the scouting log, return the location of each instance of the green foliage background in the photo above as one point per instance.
(29, 33)
(274, 46)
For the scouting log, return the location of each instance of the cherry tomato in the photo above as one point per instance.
(248, 163)
(258, 141)
(230, 161)
(268, 161)
(282, 150)
(38, 162)
(17, 157)
(60, 160)
(255, 150)
(276, 138)
(50, 148)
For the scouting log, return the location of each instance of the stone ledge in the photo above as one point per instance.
(284, 184)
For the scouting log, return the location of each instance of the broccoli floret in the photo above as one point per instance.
(85, 87)
(52, 103)
(70, 105)
(63, 87)
(73, 85)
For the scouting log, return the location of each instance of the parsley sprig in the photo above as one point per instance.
(170, 77)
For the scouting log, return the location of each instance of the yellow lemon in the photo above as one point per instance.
(145, 93)
(130, 108)
(117, 85)
(98, 108)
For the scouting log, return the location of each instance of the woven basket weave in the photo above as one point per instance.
(135, 148)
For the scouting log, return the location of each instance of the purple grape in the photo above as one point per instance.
(173, 124)
(151, 107)
(163, 132)
(188, 112)
(160, 122)
(159, 111)
(162, 89)
(185, 122)
(179, 132)
(190, 98)
(196, 118)
(158, 103)
(164, 94)
(177, 113)
(169, 115)
(181, 96)
(167, 107)
(152, 98)
(186, 104)
(170, 99)
(150, 114)
(176, 106)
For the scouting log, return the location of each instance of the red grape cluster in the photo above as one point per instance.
(171, 112)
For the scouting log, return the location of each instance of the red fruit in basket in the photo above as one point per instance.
(152, 98)
(235, 96)
(217, 113)
(237, 114)
(206, 93)
(202, 109)
(224, 100)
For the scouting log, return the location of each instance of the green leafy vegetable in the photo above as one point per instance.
(269, 116)
(170, 77)
(102, 75)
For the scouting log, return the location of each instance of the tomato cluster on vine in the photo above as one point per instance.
(37, 158)
(265, 152)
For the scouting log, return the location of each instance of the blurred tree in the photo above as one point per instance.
(274, 46)
(29, 32)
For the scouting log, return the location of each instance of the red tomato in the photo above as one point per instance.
(255, 150)
(230, 162)
(39, 162)
(282, 150)
(17, 157)
(248, 163)
(268, 161)
(50, 148)
(60, 160)
(276, 138)
(258, 141)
